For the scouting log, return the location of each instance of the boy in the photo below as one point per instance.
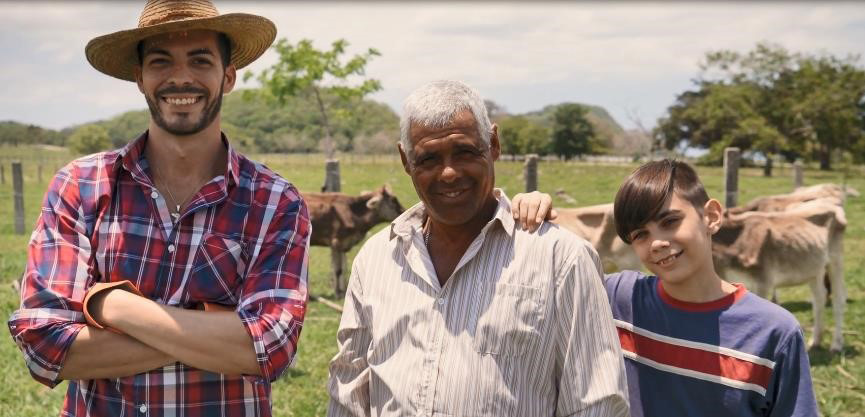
(693, 343)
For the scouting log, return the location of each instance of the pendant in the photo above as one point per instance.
(175, 216)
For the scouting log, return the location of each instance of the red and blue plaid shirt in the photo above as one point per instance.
(242, 241)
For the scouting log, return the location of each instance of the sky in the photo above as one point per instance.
(631, 58)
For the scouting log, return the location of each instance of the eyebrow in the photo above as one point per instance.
(665, 213)
(160, 51)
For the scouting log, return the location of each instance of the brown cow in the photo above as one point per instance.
(596, 225)
(831, 193)
(341, 221)
(786, 248)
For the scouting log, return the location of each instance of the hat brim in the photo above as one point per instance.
(116, 54)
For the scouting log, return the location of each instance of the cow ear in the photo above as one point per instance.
(373, 203)
(386, 189)
(750, 243)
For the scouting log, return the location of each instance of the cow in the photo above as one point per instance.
(785, 248)
(340, 221)
(596, 225)
(831, 193)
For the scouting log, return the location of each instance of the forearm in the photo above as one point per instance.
(213, 341)
(102, 354)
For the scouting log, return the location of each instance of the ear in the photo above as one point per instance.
(495, 147)
(138, 78)
(373, 203)
(750, 243)
(403, 158)
(229, 79)
(713, 215)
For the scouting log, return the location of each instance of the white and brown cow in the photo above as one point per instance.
(801, 245)
(340, 221)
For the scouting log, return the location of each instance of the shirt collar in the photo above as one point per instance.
(411, 221)
(131, 154)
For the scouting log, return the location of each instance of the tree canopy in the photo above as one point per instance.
(771, 101)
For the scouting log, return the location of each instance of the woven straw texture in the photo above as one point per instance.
(116, 55)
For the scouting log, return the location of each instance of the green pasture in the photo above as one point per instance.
(839, 379)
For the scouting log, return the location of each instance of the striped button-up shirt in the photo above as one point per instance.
(242, 241)
(522, 328)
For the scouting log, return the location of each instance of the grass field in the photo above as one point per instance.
(839, 379)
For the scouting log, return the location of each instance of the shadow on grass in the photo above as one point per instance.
(822, 356)
(796, 306)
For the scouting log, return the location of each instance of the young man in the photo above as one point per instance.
(132, 244)
(695, 344)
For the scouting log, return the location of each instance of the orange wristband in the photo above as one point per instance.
(125, 285)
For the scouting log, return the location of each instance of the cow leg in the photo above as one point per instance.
(839, 301)
(337, 264)
(818, 304)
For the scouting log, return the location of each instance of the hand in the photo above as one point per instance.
(531, 209)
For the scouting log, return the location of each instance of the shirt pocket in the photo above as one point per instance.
(508, 325)
(217, 271)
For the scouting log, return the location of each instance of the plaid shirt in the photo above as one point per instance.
(243, 240)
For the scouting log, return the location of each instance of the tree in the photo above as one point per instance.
(89, 139)
(509, 134)
(772, 101)
(304, 70)
(572, 132)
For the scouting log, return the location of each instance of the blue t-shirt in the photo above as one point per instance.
(737, 356)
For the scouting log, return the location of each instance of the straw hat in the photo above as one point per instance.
(116, 54)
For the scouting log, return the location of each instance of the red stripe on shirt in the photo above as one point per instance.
(693, 359)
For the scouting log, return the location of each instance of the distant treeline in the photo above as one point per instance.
(254, 123)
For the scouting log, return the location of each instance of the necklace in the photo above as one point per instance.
(426, 233)
(175, 215)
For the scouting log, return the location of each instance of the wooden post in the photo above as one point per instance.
(2, 174)
(530, 172)
(18, 196)
(797, 174)
(331, 176)
(39, 173)
(731, 177)
(767, 169)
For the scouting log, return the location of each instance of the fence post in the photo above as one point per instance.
(530, 172)
(2, 174)
(331, 176)
(767, 169)
(797, 174)
(731, 177)
(18, 196)
(39, 173)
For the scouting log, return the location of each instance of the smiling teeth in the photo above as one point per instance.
(181, 101)
(453, 194)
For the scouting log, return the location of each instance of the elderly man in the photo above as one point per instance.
(453, 310)
(168, 278)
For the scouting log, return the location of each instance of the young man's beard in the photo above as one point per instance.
(208, 114)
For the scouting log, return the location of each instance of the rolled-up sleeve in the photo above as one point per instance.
(274, 293)
(591, 369)
(59, 269)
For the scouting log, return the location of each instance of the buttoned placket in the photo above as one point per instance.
(420, 261)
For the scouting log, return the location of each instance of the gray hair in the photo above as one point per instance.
(434, 105)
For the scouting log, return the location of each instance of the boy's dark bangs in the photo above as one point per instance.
(642, 196)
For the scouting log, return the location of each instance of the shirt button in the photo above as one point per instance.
(170, 248)
(142, 408)
(154, 194)
(441, 301)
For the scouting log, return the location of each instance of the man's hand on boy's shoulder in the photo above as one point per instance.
(531, 209)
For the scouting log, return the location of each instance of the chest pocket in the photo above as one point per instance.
(217, 271)
(508, 325)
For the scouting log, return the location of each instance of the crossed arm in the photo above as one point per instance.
(156, 335)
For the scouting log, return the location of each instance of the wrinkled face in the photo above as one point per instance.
(182, 79)
(677, 244)
(452, 169)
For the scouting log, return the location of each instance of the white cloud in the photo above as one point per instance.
(619, 55)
